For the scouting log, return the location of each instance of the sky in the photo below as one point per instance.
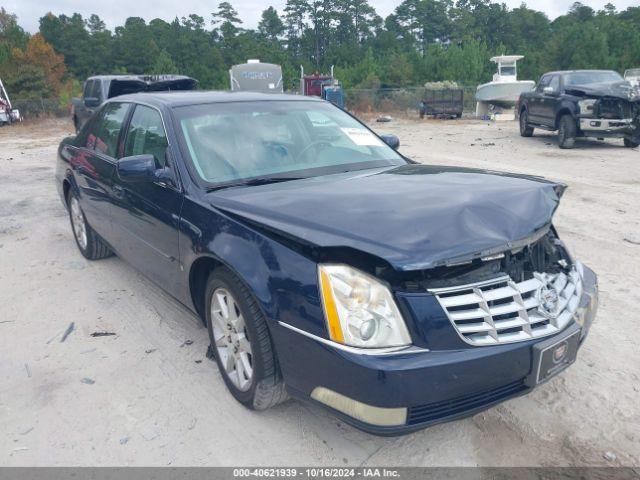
(114, 12)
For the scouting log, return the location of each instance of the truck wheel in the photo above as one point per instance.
(567, 131)
(630, 143)
(241, 342)
(525, 129)
(89, 242)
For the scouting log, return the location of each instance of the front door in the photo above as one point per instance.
(536, 103)
(146, 215)
(549, 101)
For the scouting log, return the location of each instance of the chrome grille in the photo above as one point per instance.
(503, 311)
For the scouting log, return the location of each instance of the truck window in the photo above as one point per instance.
(105, 130)
(95, 90)
(88, 85)
(544, 81)
(146, 135)
(555, 83)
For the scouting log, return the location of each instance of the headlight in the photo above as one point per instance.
(586, 106)
(360, 311)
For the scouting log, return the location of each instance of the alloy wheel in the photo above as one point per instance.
(231, 340)
(78, 223)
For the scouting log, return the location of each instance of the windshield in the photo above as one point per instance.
(232, 142)
(508, 70)
(585, 78)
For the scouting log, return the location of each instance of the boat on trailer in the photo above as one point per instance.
(505, 88)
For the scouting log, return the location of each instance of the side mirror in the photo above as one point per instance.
(137, 168)
(548, 90)
(391, 140)
(91, 102)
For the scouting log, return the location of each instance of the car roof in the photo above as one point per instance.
(564, 72)
(183, 98)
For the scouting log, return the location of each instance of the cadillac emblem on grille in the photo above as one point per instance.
(502, 310)
(548, 300)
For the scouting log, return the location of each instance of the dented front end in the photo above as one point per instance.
(612, 114)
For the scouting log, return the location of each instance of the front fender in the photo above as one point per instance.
(284, 282)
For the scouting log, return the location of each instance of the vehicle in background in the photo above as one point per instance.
(277, 220)
(8, 114)
(633, 76)
(324, 86)
(255, 76)
(99, 88)
(582, 103)
(505, 88)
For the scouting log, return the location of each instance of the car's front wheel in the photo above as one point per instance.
(525, 129)
(241, 342)
(89, 242)
(567, 131)
(630, 143)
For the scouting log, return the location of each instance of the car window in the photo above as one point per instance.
(555, 83)
(95, 90)
(587, 77)
(235, 141)
(88, 86)
(105, 131)
(146, 135)
(544, 81)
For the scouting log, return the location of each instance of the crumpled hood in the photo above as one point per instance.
(414, 216)
(622, 90)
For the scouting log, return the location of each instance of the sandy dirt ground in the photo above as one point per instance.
(146, 396)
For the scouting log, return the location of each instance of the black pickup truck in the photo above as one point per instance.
(582, 103)
(100, 88)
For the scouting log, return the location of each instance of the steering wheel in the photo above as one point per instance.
(315, 143)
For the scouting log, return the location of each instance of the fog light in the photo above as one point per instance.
(383, 417)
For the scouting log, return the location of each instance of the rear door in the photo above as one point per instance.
(146, 215)
(94, 163)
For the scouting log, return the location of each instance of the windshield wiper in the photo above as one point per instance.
(252, 182)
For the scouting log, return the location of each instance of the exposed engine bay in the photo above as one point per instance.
(613, 109)
(544, 255)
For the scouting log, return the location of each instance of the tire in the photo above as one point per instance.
(630, 143)
(239, 339)
(525, 129)
(567, 130)
(91, 246)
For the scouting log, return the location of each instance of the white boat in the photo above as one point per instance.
(505, 88)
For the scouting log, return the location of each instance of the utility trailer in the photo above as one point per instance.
(444, 102)
(8, 114)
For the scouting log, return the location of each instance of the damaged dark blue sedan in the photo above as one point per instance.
(326, 265)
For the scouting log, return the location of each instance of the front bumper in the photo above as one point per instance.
(433, 386)
(606, 127)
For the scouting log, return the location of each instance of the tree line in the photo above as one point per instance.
(420, 41)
